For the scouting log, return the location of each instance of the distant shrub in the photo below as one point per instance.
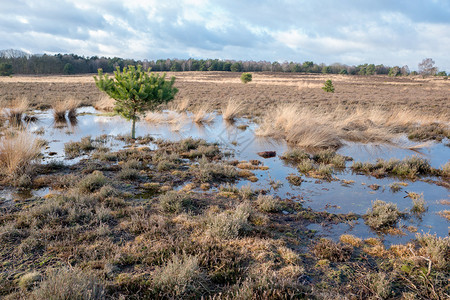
(328, 87)
(246, 77)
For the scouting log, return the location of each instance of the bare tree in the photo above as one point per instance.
(426, 67)
(405, 70)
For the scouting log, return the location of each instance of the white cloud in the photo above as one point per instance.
(349, 31)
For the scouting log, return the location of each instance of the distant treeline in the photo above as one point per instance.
(19, 62)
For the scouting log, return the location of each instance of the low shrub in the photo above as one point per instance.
(382, 215)
(267, 203)
(174, 202)
(92, 182)
(336, 252)
(230, 224)
(69, 284)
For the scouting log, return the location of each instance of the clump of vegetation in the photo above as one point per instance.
(382, 215)
(410, 167)
(267, 203)
(209, 171)
(69, 284)
(328, 86)
(351, 240)
(174, 202)
(135, 91)
(230, 224)
(181, 277)
(92, 182)
(15, 111)
(446, 169)
(84, 146)
(246, 77)
(436, 248)
(419, 204)
(18, 152)
(231, 110)
(327, 249)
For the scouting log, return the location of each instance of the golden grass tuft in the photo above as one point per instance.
(18, 152)
(15, 111)
(179, 105)
(325, 127)
(351, 240)
(232, 109)
(203, 114)
(105, 103)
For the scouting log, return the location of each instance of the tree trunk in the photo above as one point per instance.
(133, 129)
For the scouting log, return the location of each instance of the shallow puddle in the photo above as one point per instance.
(334, 196)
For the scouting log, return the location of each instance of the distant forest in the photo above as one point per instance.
(19, 62)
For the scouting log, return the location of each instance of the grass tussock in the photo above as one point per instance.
(105, 103)
(410, 167)
(336, 252)
(203, 114)
(69, 284)
(231, 110)
(321, 127)
(18, 152)
(68, 106)
(14, 112)
(230, 224)
(180, 277)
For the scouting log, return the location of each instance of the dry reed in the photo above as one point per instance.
(232, 109)
(18, 152)
(203, 115)
(15, 111)
(105, 103)
(321, 127)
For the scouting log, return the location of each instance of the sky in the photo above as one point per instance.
(390, 32)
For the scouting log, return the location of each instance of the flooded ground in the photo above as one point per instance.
(347, 192)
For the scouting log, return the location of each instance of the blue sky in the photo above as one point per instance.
(391, 32)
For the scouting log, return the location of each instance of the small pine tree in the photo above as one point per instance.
(246, 77)
(136, 91)
(328, 87)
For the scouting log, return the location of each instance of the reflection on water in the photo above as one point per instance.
(239, 138)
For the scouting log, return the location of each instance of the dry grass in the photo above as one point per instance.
(323, 127)
(61, 107)
(232, 109)
(203, 114)
(104, 103)
(18, 152)
(179, 105)
(15, 111)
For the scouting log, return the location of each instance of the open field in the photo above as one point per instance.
(267, 190)
(429, 95)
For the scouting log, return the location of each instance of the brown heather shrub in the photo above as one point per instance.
(351, 240)
(18, 153)
(327, 249)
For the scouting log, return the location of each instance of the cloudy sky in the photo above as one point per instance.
(391, 32)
